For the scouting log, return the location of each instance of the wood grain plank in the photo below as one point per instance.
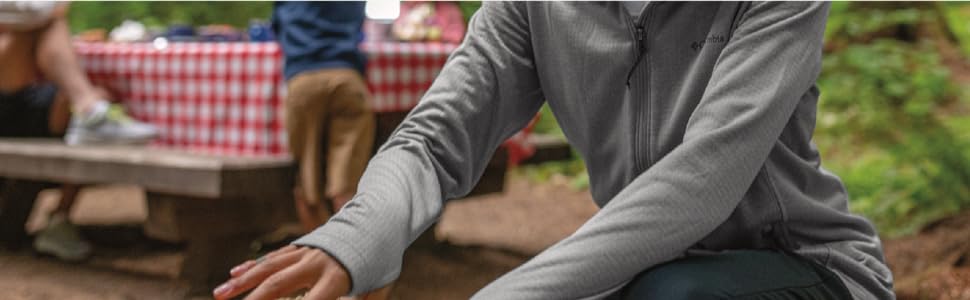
(159, 170)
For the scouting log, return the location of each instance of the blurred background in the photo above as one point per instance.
(894, 119)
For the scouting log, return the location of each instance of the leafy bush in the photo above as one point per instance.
(107, 15)
(883, 115)
(869, 86)
(956, 16)
(571, 171)
(848, 21)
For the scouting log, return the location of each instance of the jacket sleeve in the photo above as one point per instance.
(487, 91)
(771, 61)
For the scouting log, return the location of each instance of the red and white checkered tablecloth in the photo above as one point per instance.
(227, 98)
(398, 74)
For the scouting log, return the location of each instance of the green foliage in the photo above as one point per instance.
(98, 14)
(884, 116)
(957, 17)
(107, 15)
(468, 8)
(868, 86)
(844, 21)
(547, 123)
(572, 171)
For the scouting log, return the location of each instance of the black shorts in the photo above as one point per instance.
(26, 113)
(737, 274)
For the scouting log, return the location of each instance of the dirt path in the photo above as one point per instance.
(935, 263)
(518, 223)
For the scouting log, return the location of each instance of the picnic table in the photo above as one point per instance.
(222, 159)
(227, 98)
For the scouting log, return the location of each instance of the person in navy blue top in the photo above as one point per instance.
(330, 124)
(319, 35)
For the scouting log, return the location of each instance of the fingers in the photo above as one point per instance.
(257, 272)
(285, 282)
(245, 266)
(242, 268)
(286, 270)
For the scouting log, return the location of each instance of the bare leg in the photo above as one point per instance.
(60, 114)
(47, 51)
(24, 57)
(68, 196)
(57, 61)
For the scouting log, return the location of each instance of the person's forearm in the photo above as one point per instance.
(440, 150)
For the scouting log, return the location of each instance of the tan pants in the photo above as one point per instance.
(328, 115)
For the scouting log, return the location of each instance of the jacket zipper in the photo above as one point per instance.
(639, 31)
(638, 35)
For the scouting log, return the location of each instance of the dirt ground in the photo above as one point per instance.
(935, 263)
(477, 240)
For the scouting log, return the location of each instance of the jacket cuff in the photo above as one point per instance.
(344, 252)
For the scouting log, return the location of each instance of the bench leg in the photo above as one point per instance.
(17, 199)
(208, 260)
(218, 233)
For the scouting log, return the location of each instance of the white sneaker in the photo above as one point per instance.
(106, 123)
(62, 240)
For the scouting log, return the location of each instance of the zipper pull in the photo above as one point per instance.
(640, 48)
(640, 45)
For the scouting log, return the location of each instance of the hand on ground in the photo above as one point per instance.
(285, 271)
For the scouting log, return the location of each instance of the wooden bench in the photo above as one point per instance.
(217, 205)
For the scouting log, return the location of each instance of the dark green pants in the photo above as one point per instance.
(741, 274)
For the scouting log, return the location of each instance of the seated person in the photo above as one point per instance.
(695, 121)
(35, 43)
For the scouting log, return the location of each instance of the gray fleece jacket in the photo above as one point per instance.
(695, 122)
